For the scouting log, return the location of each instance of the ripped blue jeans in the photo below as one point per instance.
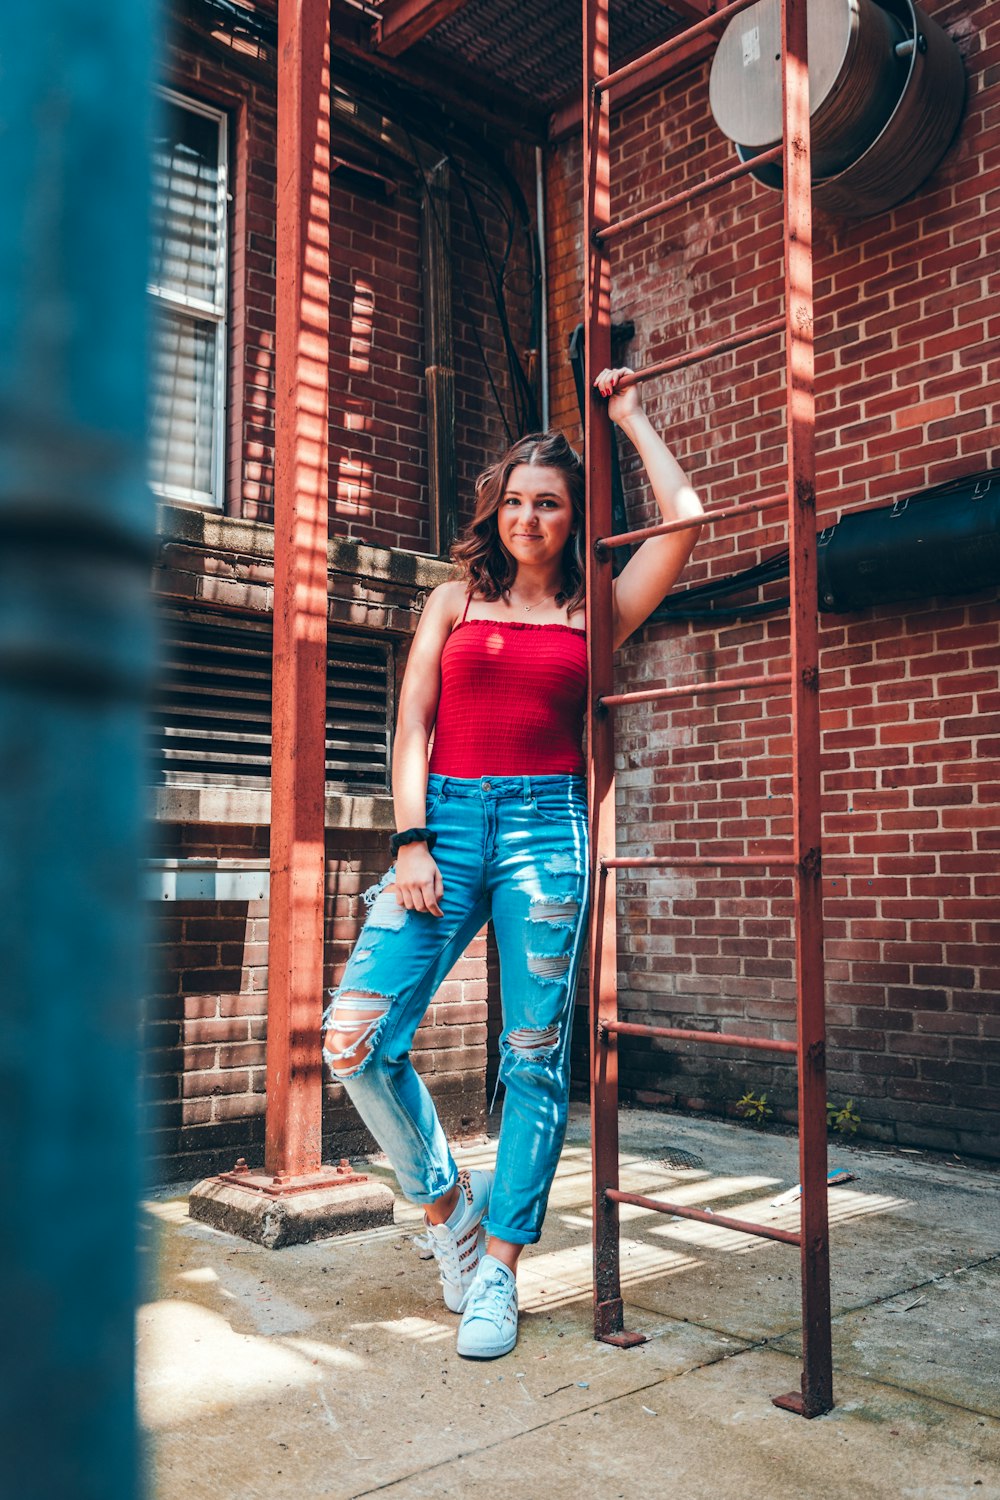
(510, 848)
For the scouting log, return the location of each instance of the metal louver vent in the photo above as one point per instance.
(211, 715)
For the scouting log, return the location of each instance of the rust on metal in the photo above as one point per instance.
(803, 862)
(817, 1359)
(598, 442)
(791, 1402)
(707, 861)
(703, 1216)
(717, 1038)
(301, 481)
(619, 227)
(706, 351)
(673, 44)
(716, 513)
(706, 685)
(285, 1185)
(624, 1340)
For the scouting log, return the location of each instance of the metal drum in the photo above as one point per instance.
(886, 89)
(918, 132)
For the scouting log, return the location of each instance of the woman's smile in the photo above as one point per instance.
(536, 511)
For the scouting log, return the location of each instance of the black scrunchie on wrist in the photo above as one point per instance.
(412, 836)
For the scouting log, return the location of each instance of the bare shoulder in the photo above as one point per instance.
(446, 603)
(443, 610)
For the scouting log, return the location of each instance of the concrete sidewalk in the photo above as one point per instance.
(330, 1370)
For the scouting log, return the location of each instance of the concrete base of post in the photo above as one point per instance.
(277, 1219)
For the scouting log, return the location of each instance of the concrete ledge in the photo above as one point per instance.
(293, 1220)
(214, 532)
(244, 807)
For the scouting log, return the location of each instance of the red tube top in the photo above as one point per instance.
(512, 700)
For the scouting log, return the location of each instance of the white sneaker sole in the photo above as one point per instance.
(487, 1351)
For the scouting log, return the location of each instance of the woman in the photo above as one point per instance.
(495, 826)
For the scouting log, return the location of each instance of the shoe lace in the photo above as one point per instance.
(490, 1297)
(446, 1255)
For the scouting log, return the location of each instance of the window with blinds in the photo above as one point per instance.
(211, 715)
(188, 289)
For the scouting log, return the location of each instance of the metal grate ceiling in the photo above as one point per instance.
(211, 714)
(535, 48)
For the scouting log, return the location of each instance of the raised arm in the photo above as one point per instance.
(654, 568)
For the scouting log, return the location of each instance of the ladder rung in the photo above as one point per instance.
(618, 227)
(707, 351)
(763, 1231)
(709, 861)
(688, 689)
(686, 523)
(671, 45)
(719, 1038)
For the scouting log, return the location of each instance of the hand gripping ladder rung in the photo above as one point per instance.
(802, 857)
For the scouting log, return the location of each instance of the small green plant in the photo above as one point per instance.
(754, 1108)
(845, 1120)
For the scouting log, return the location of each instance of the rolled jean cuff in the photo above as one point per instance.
(513, 1236)
(425, 1198)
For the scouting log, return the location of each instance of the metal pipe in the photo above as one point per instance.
(702, 1216)
(673, 44)
(543, 333)
(619, 227)
(717, 513)
(717, 1038)
(693, 689)
(598, 444)
(706, 351)
(707, 861)
(817, 1376)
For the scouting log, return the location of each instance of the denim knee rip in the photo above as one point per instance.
(384, 911)
(359, 1015)
(538, 1044)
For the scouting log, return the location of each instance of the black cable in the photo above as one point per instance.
(525, 408)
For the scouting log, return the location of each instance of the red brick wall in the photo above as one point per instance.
(378, 429)
(205, 1020)
(907, 318)
(378, 437)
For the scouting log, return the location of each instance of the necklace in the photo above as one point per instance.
(528, 607)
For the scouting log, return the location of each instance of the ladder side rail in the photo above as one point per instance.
(817, 1378)
(598, 439)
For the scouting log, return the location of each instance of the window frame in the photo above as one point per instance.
(196, 309)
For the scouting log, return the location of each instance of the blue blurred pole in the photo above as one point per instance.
(75, 535)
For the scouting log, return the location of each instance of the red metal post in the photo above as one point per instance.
(302, 356)
(600, 725)
(817, 1377)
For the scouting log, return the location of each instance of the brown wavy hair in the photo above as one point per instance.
(479, 551)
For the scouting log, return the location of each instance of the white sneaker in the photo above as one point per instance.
(489, 1324)
(458, 1246)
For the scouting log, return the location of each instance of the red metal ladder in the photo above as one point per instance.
(802, 858)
